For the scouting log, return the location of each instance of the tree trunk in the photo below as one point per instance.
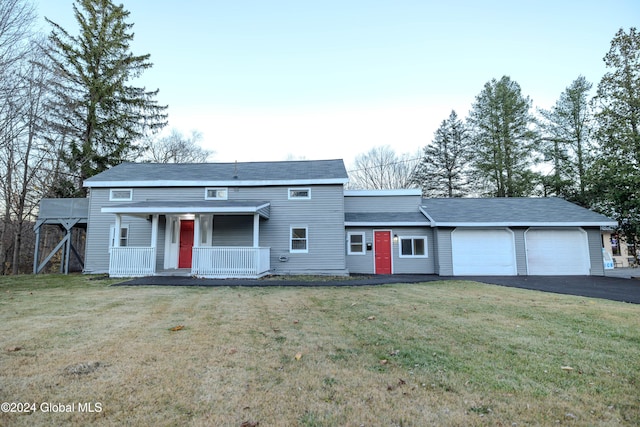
(17, 244)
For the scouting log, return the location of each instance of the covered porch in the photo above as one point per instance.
(183, 240)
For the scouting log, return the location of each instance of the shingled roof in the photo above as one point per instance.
(237, 174)
(385, 218)
(510, 211)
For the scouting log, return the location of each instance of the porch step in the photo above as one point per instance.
(174, 272)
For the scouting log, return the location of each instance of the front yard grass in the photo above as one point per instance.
(445, 353)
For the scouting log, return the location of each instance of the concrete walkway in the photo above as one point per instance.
(611, 288)
(623, 273)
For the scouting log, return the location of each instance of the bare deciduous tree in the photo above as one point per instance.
(177, 148)
(31, 154)
(382, 169)
(16, 19)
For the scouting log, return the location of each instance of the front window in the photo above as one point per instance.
(216, 194)
(299, 239)
(205, 225)
(413, 247)
(356, 244)
(123, 236)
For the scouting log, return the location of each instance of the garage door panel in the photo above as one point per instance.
(557, 252)
(483, 252)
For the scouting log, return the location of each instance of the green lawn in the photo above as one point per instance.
(445, 353)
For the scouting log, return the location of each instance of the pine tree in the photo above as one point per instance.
(442, 171)
(618, 166)
(96, 110)
(503, 140)
(566, 143)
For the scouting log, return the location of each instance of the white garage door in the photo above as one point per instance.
(557, 252)
(483, 252)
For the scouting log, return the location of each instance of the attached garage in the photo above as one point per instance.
(553, 252)
(486, 252)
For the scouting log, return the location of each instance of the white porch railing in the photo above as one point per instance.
(227, 262)
(129, 261)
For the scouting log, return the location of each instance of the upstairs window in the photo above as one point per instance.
(299, 193)
(413, 247)
(216, 194)
(120, 195)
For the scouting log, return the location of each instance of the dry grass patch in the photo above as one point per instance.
(446, 353)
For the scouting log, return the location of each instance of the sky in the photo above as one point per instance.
(277, 80)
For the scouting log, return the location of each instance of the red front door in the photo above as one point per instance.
(186, 244)
(382, 251)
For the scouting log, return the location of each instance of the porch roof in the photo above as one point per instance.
(238, 207)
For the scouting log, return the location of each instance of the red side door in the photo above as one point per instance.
(186, 244)
(382, 251)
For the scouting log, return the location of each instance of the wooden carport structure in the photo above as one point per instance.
(68, 215)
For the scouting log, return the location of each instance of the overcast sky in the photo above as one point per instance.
(271, 80)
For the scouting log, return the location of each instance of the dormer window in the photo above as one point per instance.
(299, 193)
(120, 195)
(216, 194)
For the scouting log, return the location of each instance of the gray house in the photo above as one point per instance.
(251, 219)
(217, 220)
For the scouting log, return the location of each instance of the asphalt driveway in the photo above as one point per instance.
(611, 288)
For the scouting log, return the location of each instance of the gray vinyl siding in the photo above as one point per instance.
(97, 243)
(232, 230)
(413, 265)
(162, 230)
(436, 251)
(595, 250)
(445, 257)
(364, 264)
(99, 228)
(360, 264)
(323, 215)
(382, 203)
(521, 251)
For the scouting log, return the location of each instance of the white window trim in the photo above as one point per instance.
(112, 235)
(299, 251)
(307, 189)
(426, 248)
(113, 199)
(207, 189)
(364, 244)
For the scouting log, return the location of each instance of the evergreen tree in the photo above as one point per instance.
(618, 166)
(566, 143)
(442, 171)
(96, 110)
(503, 140)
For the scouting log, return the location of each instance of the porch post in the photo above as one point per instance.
(256, 230)
(154, 239)
(196, 231)
(154, 231)
(117, 232)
